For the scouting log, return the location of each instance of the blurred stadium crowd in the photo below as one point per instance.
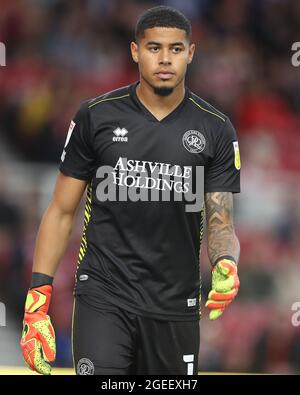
(60, 53)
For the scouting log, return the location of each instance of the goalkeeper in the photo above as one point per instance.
(136, 305)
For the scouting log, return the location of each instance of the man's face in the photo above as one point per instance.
(163, 55)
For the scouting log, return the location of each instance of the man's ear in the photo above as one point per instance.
(134, 51)
(191, 52)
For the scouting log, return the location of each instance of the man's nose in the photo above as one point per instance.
(165, 57)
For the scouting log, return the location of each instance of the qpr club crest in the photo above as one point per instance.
(85, 367)
(194, 141)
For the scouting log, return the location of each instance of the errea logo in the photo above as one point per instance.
(119, 134)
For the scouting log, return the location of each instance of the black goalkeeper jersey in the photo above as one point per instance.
(140, 245)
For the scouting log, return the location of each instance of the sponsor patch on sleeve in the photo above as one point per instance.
(71, 127)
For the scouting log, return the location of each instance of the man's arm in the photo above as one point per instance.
(56, 224)
(38, 335)
(221, 237)
(223, 251)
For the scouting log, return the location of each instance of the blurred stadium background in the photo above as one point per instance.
(60, 53)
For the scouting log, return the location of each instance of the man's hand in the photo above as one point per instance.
(225, 286)
(38, 337)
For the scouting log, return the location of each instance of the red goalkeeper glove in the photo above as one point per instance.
(225, 286)
(38, 336)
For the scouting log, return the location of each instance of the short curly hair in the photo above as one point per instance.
(162, 16)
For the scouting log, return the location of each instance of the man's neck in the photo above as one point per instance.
(159, 106)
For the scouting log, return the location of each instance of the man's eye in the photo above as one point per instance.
(153, 49)
(177, 49)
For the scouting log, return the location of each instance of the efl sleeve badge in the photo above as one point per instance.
(237, 159)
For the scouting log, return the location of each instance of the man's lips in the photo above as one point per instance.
(164, 74)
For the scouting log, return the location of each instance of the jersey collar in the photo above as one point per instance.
(148, 114)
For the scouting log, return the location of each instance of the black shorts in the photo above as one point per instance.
(110, 340)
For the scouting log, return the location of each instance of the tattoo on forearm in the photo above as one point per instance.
(220, 229)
